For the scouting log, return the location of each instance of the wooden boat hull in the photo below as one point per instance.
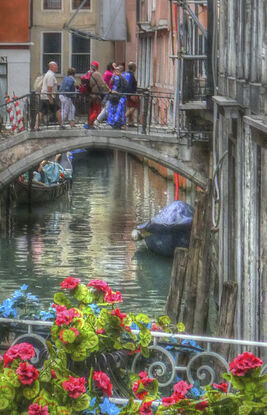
(38, 193)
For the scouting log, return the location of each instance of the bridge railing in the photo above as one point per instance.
(199, 360)
(153, 113)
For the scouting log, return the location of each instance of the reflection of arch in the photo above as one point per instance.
(130, 145)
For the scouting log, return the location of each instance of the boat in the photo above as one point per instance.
(56, 181)
(169, 229)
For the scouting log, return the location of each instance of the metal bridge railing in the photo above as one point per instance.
(172, 356)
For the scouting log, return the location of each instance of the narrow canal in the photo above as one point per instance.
(87, 234)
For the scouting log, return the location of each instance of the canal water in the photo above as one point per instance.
(87, 234)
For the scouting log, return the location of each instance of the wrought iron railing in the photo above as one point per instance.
(172, 356)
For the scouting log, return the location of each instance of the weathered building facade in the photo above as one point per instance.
(53, 41)
(239, 153)
(14, 47)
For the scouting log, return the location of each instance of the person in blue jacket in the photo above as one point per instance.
(132, 100)
(67, 96)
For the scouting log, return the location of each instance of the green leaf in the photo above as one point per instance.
(180, 327)
(68, 336)
(83, 294)
(81, 403)
(32, 391)
(129, 346)
(4, 403)
(12, 378)
(144, 351)
(145, 337)
(142, 318)
(51, 349)
(61, 299)
(164, 321)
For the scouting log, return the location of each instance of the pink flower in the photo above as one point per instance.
(27, 373)
(100, 285)
(70, 283)
(145, 408)
(155, 327)
(144, 381)
(23, 351)
(62, 332)
(74, 386)
(36, 409)
(103, 382)
(244, 362)
(53, 374)
(66, 317)
(142, 375)
(181, 388)
(111, 297)
(59, 308)
(221, 386)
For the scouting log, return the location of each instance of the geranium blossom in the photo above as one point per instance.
(244, 362)
(111, 297)
(201, 406)
(103, 382)
(23, 351)
(70, 283)
(100, 285)
(36, 409)
(27, 373)
(118, 313)
(181, 388)
(170, 400)
(145, 408)
(59, 308)
(74, 386)
(100, 331)
(221, 386)
(66, 317)
(140, 384)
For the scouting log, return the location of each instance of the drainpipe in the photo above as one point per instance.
(177, 81)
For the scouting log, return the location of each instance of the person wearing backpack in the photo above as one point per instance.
(48, 98)
(132, 100)
(67, 96)
(117, 101)
(95, 87)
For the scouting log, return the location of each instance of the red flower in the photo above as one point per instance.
(181, 388)
(59, 308)
(244, 362)
(155, 327)
(170, 400)
(100, 285)
(100, 331)
(111, 297)
(221, 386)
(27, 373)
(53, 374)
(66, 317)
(142, 375)
(139, 392)
(103, 382)
(23, 351)
(70, 283)
(62, 332)
(117, 313)
(74, 386)
(201, 406)
(145, 408)
(137, 350)
(36, 409)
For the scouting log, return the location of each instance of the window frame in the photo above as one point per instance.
(61, 53)
(71, 53)
(82, 10)
(53, 10)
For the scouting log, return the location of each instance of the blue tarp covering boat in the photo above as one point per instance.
(169, 229)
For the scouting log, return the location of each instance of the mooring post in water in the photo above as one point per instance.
(30, 191)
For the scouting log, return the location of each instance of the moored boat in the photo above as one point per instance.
(169, 229)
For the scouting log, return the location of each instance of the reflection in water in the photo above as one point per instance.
(87, 234)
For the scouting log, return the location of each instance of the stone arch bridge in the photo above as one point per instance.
(25, 150)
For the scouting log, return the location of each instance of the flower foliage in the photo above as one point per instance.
(88, 321)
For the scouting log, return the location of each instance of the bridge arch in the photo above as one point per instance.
(31, 148)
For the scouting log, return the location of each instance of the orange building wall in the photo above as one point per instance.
(14, 27)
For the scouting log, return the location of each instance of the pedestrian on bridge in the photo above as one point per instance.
(48, 97)
(67, 97)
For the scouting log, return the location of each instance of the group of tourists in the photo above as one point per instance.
(109, 95)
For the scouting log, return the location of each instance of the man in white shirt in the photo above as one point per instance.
(48, 99)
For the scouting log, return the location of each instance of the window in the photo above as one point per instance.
(52, 4)
(80, 54)
(77, 3)
(52, 49)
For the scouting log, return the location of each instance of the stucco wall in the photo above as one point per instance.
(14, 21)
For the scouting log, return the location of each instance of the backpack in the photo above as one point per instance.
(123, 85)
(84, 86)
(38, 83)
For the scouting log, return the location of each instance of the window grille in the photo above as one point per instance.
(77, 3)
(80, 54)
(52, 4)
(52, 49)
